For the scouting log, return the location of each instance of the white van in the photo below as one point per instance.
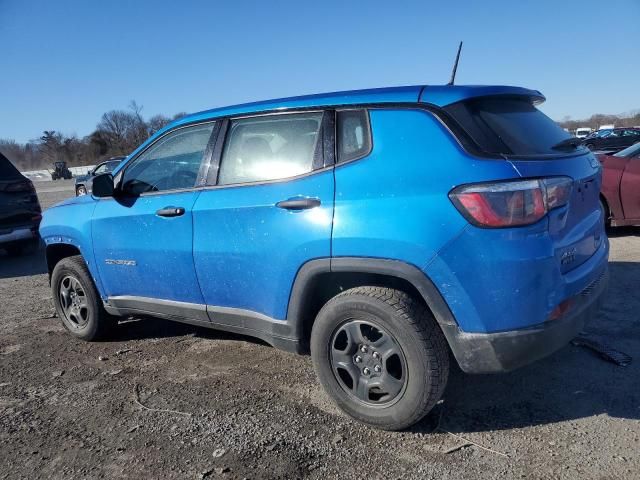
(582, 132)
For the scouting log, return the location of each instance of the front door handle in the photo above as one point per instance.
(170, 212)
(299, 203)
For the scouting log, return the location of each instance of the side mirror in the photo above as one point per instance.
(103, 185)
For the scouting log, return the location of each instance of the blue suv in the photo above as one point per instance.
(384, 231)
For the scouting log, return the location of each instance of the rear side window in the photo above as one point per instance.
(7, 170)
(271, 147)
(353, 134)
(508, 126)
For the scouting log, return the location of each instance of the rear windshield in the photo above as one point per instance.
(508, 126)
(7, 170)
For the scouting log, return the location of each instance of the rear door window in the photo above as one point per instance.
(271, 147)
(508, 126)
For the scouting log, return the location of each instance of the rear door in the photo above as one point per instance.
(143, 238)
(268, 211)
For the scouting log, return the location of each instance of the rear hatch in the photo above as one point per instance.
(18, 201)
(511, 128)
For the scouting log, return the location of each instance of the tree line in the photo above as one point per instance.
(595, 121)
(118, 132)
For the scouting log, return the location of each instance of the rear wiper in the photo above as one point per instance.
(567, 143)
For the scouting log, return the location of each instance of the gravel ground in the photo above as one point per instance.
(163, 400)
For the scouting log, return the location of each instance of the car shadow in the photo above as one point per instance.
(571, 384)
(22, 265)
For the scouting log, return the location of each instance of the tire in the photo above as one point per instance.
(86, 318)
(605, 213)
(590, 146)
(415, 371)
(81, 190)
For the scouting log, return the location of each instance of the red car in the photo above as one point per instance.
(620, 194)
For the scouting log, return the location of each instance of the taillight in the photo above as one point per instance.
(510, 204)
(20, 187)
(561, 309)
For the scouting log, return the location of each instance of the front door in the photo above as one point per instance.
(270, 212)
(143, 238)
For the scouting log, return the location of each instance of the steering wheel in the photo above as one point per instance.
(184, 179)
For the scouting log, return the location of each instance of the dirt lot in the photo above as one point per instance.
(235, 408)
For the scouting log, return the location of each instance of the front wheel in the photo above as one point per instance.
(81, 190)
(380, 356)
(77, 301)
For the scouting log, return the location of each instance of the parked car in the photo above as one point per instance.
(84, 182)
(621, 186)
(380, 230)
(20, 211)
(60, 170)
(583, 132)
(612, 139)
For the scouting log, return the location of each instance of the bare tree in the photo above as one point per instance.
(157, 122)
(118, 132)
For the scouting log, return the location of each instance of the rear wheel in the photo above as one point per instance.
(591, 146)
(77, 301)
(380, 356)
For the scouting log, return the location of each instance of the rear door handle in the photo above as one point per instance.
(299, 203)
(170, 212)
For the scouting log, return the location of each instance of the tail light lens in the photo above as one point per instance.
(511, 204)
(561, 310)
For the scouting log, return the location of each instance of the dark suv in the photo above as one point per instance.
(613, 139)
(20, 211)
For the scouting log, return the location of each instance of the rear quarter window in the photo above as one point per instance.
(508, 126)
(353, 134)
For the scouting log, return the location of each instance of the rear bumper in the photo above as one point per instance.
(505, 351)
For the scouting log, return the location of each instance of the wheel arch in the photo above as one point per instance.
(58, 251)
(320, 280)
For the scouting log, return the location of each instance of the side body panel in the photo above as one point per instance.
(247, 251)
(70, 223)
(139, 253)
(394, 203)
(612, 168)
(630, 189)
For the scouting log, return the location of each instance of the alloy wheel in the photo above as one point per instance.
(74, 303)
(368, 362)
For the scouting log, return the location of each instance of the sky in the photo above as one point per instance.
(64, 63)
